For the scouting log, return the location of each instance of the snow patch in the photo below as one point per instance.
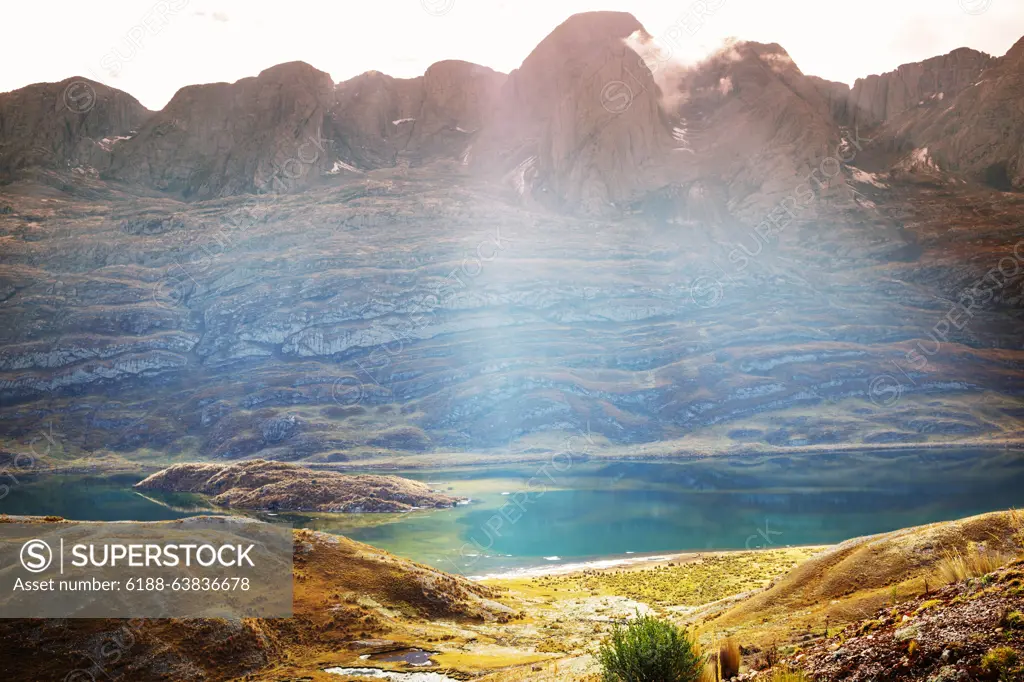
(378, 674)
(520, 172)
(107, 143)
(921, 156)
(919, 159)
(402, 120)
(868, 178)
(681, 135)
(340, 166)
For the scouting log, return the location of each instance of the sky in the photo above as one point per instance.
(150, 48)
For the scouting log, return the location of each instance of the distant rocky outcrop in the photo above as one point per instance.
(877, 99)
(979, 133)
(837, 95)
(578, 126)
(259, 134)
(957, 113)
(73, 124)
(379, 121)
(748, 125)
(277, 486)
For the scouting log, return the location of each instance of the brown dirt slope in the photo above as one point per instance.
(853, 579)
(350, 599)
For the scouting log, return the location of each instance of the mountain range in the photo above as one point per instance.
(728, 256)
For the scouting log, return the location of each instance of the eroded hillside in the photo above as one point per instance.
(719, 258)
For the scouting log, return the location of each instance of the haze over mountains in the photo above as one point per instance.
(728, 256)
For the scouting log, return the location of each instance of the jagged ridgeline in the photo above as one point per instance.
(722, 256)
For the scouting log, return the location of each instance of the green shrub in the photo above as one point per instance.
(1013, 620)
(649, 649)
(1001, 663)
(869, 626)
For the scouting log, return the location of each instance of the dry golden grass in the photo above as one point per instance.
(855, 578)
(1017, 521)
(723, 660)
(788, 675)
(973, 561)
(710, 673)
(729, 659)
(687, 580)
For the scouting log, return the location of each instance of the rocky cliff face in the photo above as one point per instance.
(979, 132)
(877, 99)
(696, 257)
(837, 95)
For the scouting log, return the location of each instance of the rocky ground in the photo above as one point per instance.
(946, 636)
(277, 486)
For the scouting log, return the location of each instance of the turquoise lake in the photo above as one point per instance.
(557, 513)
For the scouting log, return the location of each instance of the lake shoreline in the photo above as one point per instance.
(596, 515)
(441, 460)
(637, 562)
(426, 462)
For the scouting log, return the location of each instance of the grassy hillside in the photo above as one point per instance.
(789, 606)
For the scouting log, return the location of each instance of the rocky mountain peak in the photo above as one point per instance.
(980, 132)
(748, 67)
(379, 121)
(581, 32)
(731, 115)
(1016, 53)
(73, 124)
(457, 99)
(578, 125)
(881, 98)
(257, 134)
(582, 46)
(300, 71)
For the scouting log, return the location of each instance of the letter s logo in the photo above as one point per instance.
(36, 556)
